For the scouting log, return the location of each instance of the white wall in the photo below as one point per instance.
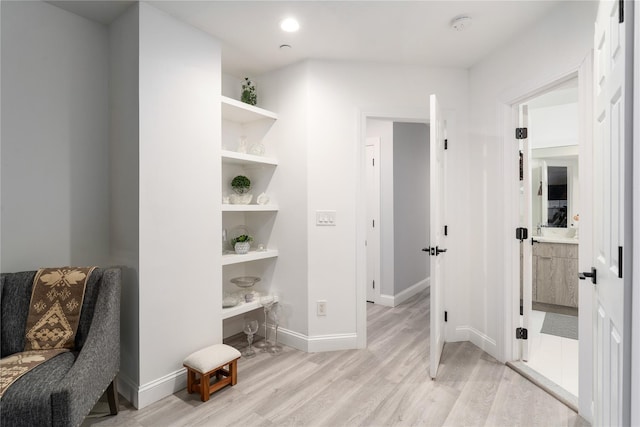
(384, 130)
(55, 162)
(410, 204)
(339, 94)
(321, 105)
(555, 126)
(124, 182)
(179, 206)
(553, 48)
(286, 93)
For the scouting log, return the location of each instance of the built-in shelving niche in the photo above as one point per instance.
(240, 120)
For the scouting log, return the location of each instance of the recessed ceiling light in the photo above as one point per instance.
(290, 25)
(460, 23)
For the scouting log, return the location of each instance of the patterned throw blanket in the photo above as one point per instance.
(52, 323)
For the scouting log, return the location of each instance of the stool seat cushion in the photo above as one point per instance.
(211, 357)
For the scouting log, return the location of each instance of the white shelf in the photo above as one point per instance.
(241, 112)
(249, 208)
(233, 157)
(242, 308)
(251, 256)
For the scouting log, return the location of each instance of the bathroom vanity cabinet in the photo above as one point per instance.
(555, 273)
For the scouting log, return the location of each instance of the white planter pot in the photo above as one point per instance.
(242, 247)
(241, 199)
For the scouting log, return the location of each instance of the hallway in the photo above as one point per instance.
(386, 384)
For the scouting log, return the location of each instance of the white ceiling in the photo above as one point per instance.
(404, 32)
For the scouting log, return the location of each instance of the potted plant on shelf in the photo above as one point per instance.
(249, 92)
(241, 186)
(242, 243)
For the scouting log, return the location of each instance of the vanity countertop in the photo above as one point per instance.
(556, 239)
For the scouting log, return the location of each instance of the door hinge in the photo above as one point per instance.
(619, 262)
(446, 230)
(620, 11)
(446, 144)
(522, 233)
(373, 223)
(373, 162)
(374, 284)
(522, 334)
(521, 133)
(445, 316)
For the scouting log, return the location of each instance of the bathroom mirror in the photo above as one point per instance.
(554, 181)
(557, 199)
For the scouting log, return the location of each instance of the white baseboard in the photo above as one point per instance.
(395, 300)
(317, 343)
(335, 342)
(162, 387)
(386, 300)
(293, 339)
(128, 389)
(481, 340)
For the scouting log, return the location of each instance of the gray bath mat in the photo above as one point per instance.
(560, 325)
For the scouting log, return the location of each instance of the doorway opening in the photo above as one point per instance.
(397, 209)
(550, 209)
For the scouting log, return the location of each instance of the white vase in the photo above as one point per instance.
(242, 247)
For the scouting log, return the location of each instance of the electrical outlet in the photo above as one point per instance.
(322, 308)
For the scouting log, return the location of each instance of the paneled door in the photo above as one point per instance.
(436, 230)
(611, 173)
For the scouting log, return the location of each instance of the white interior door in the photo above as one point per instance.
(436, 226)
(373, 218)
(612, 106)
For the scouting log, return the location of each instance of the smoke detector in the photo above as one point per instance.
(461, 23)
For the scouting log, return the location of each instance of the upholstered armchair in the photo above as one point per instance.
(64, 389)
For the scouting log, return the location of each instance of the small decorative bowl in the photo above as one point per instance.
(245, 281)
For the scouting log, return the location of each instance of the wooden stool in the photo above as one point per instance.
(206, 363)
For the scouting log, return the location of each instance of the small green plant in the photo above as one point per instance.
(242, 238)
(241, 184)
(249, 92)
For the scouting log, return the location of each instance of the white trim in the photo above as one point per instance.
(334, 342)
(585, 253)
(317, 343)
(635, 240)
(386, 300)
(395, 300)
(128, 389)
(293, 339)
(479, 339)
(509, 347)
(161, 387)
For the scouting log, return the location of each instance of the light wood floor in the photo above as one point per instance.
(386, 384)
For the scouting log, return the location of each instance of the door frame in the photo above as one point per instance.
(414, 115)
(511, 302)
(635, 276)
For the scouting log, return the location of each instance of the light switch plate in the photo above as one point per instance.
(324, 218)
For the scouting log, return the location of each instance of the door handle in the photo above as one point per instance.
(439, 251)
(591, 274)
(429, 250)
